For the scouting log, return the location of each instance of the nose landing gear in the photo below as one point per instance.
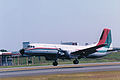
(55, 63)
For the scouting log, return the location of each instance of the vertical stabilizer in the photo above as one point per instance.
(105, 38)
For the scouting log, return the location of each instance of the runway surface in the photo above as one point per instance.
(86, 67)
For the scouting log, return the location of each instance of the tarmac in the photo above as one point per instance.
(61, 69)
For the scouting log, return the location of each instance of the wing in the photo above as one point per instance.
(87, 51)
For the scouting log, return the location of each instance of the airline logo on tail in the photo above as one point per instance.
(105, 38)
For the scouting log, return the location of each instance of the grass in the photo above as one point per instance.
(105, 75)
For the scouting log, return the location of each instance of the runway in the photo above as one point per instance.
(86, 67)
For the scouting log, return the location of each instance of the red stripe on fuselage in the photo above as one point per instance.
(42, 48)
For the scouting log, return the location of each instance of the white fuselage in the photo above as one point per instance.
(68, 48)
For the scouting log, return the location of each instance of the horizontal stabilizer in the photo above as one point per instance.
(114, 49)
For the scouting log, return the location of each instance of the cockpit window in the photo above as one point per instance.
(28, 46)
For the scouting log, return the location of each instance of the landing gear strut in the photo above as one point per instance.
(55, 63)
(75, 61)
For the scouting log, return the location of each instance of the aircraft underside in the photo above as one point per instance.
(54, 55)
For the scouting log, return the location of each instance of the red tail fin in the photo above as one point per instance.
(105, 37)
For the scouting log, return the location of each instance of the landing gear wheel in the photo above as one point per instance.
(55, 63)
(75, 61)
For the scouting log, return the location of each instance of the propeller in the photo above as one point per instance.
(22, 51)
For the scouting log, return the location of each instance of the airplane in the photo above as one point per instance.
(63, 51)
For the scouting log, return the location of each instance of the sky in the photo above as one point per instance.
(53, 21)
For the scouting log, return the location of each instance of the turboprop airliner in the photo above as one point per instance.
(60, 51)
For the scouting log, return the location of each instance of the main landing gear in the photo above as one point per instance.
(55, 63)
(75, 61)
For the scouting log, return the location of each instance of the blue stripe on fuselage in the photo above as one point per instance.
(41, 51)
